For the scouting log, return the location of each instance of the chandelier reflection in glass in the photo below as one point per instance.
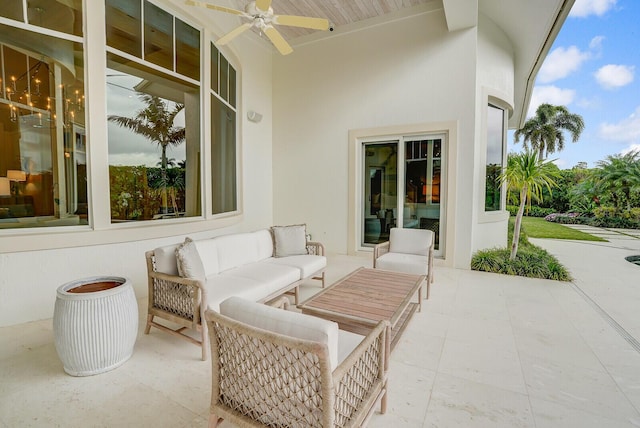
(31, 94)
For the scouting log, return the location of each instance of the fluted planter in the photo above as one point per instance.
(95, 324)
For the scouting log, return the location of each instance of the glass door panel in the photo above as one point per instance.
(380, 191)
(422, 185)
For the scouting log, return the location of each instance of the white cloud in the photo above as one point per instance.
(584, 8)
(596, 43)
(561, 62)
(631, 148)
(614, 76)
(627, 130)
(552, 95)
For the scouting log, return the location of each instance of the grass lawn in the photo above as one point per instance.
(536, 227)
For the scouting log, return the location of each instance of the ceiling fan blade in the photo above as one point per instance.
(263, 5)
(214, 7)
(233, 34)
(279, 42)
(301, 21)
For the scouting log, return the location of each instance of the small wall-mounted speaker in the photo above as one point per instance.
(254, 116)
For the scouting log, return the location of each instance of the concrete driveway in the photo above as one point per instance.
(603, 276)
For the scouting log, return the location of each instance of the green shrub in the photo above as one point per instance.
(537, 211)
(530, 261)
(603, 212)
(632, 214)
(614, 222)
(532, 211)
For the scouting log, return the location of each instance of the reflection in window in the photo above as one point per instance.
(158, 36)
(495, 157)
(168, 42)
(63, 16)
(154, 143)
(124, 31)
(43, 164)
(223, 134)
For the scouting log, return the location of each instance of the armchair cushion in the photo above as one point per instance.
(284, 322)
(410, 241)
(400, 262)
(290, 240)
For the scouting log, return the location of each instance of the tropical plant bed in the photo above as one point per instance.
(531, 261)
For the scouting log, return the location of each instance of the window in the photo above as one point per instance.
(63, 16)
(495, 158)
(153, 106)
(223, 134)
(43, 163)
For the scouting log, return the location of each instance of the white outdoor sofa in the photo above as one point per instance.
(187, 279)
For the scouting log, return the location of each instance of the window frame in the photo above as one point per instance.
(100, 230)
(499, 100)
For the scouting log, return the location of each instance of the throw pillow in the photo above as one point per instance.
(290, 240)
(189, 262)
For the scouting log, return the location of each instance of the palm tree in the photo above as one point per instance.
(619, 173)
(528, 174)
(156, 123)
(544, 131)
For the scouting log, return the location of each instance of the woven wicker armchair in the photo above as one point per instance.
(408, 251)
(267, 379)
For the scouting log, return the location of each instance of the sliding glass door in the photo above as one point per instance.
(402, 186)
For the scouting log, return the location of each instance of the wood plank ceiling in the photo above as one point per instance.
(338, 12)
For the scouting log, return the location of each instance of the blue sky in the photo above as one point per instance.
(593, 69)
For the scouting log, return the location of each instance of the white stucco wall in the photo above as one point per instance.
(29, 279)
(405, 72)
(495, 74)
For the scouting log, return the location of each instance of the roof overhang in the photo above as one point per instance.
(532, 27)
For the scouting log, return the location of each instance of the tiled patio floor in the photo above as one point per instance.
(486, 351)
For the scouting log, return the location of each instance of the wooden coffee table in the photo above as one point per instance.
(365, 297)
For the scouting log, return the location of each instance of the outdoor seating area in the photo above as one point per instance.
(186, 279)
(486, 350)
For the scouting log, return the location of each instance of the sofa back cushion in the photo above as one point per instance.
(165, 258)
(410, 241)
(264, 241)
(288, 323)
(189, 261)
(236, 250)
(208, 250)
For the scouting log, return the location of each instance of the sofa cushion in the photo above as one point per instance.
(407, 263)
(290, 240)
(236, 250)
(221, 287)
(208, 250)
(289, 323)
(188, 259)
(271, 276)
(264, 240)
(410, 241)
(165, 258)
(307, 264)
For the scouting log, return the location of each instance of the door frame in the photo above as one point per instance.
(448, 131)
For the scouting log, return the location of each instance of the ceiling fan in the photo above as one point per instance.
(261, 16)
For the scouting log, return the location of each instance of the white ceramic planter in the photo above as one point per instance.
(95, 331)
